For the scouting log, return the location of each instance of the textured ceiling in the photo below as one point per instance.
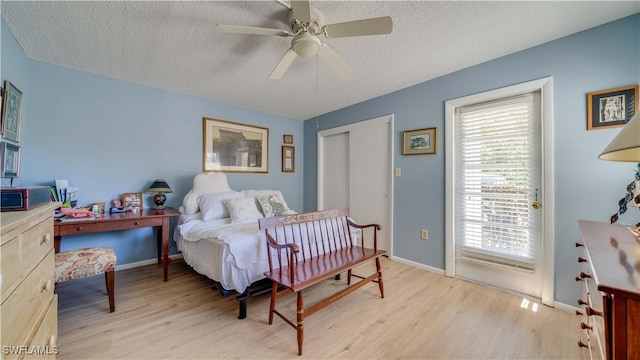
(175, 45)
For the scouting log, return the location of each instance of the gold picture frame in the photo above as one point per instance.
(132, 200)
(611, 108)
(420, 141)
(287, 139)
(233, 147)
(288, 158)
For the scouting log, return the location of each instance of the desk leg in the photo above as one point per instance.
(163, 238)
(56, 243)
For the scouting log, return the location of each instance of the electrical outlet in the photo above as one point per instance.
(424, 234)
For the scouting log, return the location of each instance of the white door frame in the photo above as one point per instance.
(545, 86)
(346, 128)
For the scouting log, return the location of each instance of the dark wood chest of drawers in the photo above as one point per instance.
(610, 303)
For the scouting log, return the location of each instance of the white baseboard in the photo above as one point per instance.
(145, 262)
(418, 265)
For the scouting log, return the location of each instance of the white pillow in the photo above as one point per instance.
(211, 205)
(273, 205)
(209, 183)
(242, 209)
(190, 203)
(205, 183)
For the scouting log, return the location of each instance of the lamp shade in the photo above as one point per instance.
(159, 186)
(626, 145)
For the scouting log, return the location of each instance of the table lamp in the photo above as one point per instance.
(626, 147)
(159, 187)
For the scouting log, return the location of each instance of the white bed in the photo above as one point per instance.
(218, 234)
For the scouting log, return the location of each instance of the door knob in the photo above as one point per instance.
(536, 204)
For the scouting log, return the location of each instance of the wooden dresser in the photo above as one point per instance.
(610, 304)
(28, 305)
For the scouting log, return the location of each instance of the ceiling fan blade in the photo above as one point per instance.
(252, 30)
(301, 10)
(329, 57)
(373, 26)
(283, 65)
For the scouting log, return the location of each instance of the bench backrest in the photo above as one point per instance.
(313, 233)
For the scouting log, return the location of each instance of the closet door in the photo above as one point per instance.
(369, 178)
(354, 171)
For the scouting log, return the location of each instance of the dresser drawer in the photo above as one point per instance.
(45, 342)
(9, 267)
(35, 244)
(22, 311)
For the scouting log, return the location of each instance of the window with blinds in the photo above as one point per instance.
(497, 177)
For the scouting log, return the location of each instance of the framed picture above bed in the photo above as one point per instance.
(233, 147)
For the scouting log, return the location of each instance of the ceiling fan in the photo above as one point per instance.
(306, 24)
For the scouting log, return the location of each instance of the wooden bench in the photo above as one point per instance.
(305, 249)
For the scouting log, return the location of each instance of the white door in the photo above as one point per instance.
(335, 193)
(354, 170)
(497, 196)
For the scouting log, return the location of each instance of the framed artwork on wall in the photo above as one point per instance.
(233, 147)
(287, 139)
(11, 107)
(9, 160)
(288, 159)
(612, 107)
(420, 141)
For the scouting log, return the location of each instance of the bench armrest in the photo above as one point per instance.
(376, 228)
(290, 250)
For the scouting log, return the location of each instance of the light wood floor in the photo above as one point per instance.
(423, 315)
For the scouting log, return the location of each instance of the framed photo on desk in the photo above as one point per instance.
(132, 200)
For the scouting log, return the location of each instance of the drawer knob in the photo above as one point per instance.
(52, 341)
(584, 275)
(582, 302)
(45, 286)
(136, 223)
(590, 311)
(579, 313)
(579, 278)
(584, 326)
(581, 344)
(46, 239)
(579, 245)
(581, 259)
(80, 228)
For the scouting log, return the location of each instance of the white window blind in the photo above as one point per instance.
(497, 167)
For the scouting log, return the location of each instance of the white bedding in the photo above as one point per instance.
(234, 255)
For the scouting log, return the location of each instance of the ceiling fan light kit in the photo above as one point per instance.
(306, 26)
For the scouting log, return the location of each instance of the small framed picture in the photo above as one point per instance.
(288, 159)
(287, 139)
(11, 105)
(10, 160)
(420, 141)
(611, 108)
(132, 200)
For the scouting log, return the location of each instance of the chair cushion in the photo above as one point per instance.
(79, 263)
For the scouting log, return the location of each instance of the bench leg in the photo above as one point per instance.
(272, 306)
(109, 279)
(300, 327)
(380, 285)
(349, 277)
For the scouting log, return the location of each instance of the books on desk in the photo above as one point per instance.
(65, 193)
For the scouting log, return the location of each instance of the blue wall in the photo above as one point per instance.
(109, 136)
(586, 188)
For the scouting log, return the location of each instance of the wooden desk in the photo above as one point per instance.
(159, 219)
